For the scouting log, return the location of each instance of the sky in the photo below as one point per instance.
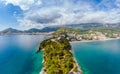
(25, 14)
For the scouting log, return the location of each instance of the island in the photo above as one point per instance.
(58, 57)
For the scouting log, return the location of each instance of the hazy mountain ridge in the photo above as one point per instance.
(82, 26)
(30, 31)
(11, 30)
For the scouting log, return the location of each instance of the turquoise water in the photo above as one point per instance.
(98, 57)
(17, 54)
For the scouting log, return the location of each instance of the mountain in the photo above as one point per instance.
(32, 30)
(82, 27)
(49, 29)
(66, 30)
(85, 25)
(46, 29)
(93, 25)
(10, 30)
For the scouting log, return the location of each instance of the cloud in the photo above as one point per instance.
(101, 17)
(27, 24)
(46, 17)
(23, 4)
(41, 13)
(118, 3)
(54, 15)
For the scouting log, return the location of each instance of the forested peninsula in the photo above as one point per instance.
(57, 57)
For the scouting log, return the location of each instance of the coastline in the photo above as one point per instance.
(79, 67)
(79, 70)
(94, 40)
(75, 67)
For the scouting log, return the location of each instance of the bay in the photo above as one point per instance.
(100, 57)
(17, 54)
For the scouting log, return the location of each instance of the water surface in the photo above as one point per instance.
(17, 54)
(98, 57)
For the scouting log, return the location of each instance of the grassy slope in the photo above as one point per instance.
(86, 30)
(66, 30)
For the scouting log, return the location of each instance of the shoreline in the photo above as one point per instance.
(108, 39)
(73, 66)
(79, 67)
(79, 70)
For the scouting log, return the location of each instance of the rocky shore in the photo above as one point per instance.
(79, 71)
(60, 60)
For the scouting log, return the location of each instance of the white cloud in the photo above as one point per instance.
(38, 14)
(54, 15)
(24, 4)
(101, 17)
(27, 24)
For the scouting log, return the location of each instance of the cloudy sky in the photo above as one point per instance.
(25, 14)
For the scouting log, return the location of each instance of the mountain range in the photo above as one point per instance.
(9, 31)
(54, 28)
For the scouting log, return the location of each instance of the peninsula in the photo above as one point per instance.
(57, 57)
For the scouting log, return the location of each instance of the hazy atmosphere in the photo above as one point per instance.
(41, 13)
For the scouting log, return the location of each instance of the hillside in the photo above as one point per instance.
(65, 30)
(79, 34)
(57, 57)
(46, 29)
(10, 30)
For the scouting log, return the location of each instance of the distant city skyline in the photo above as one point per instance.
(25, 14)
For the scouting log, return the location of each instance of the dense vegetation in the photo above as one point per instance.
(57, 56)
(65, 30)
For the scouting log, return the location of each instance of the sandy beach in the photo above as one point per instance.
(94, 40)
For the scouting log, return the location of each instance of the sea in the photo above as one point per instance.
(98, 57)
(18, 55)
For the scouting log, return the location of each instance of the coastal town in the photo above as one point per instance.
(71, 34)
(90, 35)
